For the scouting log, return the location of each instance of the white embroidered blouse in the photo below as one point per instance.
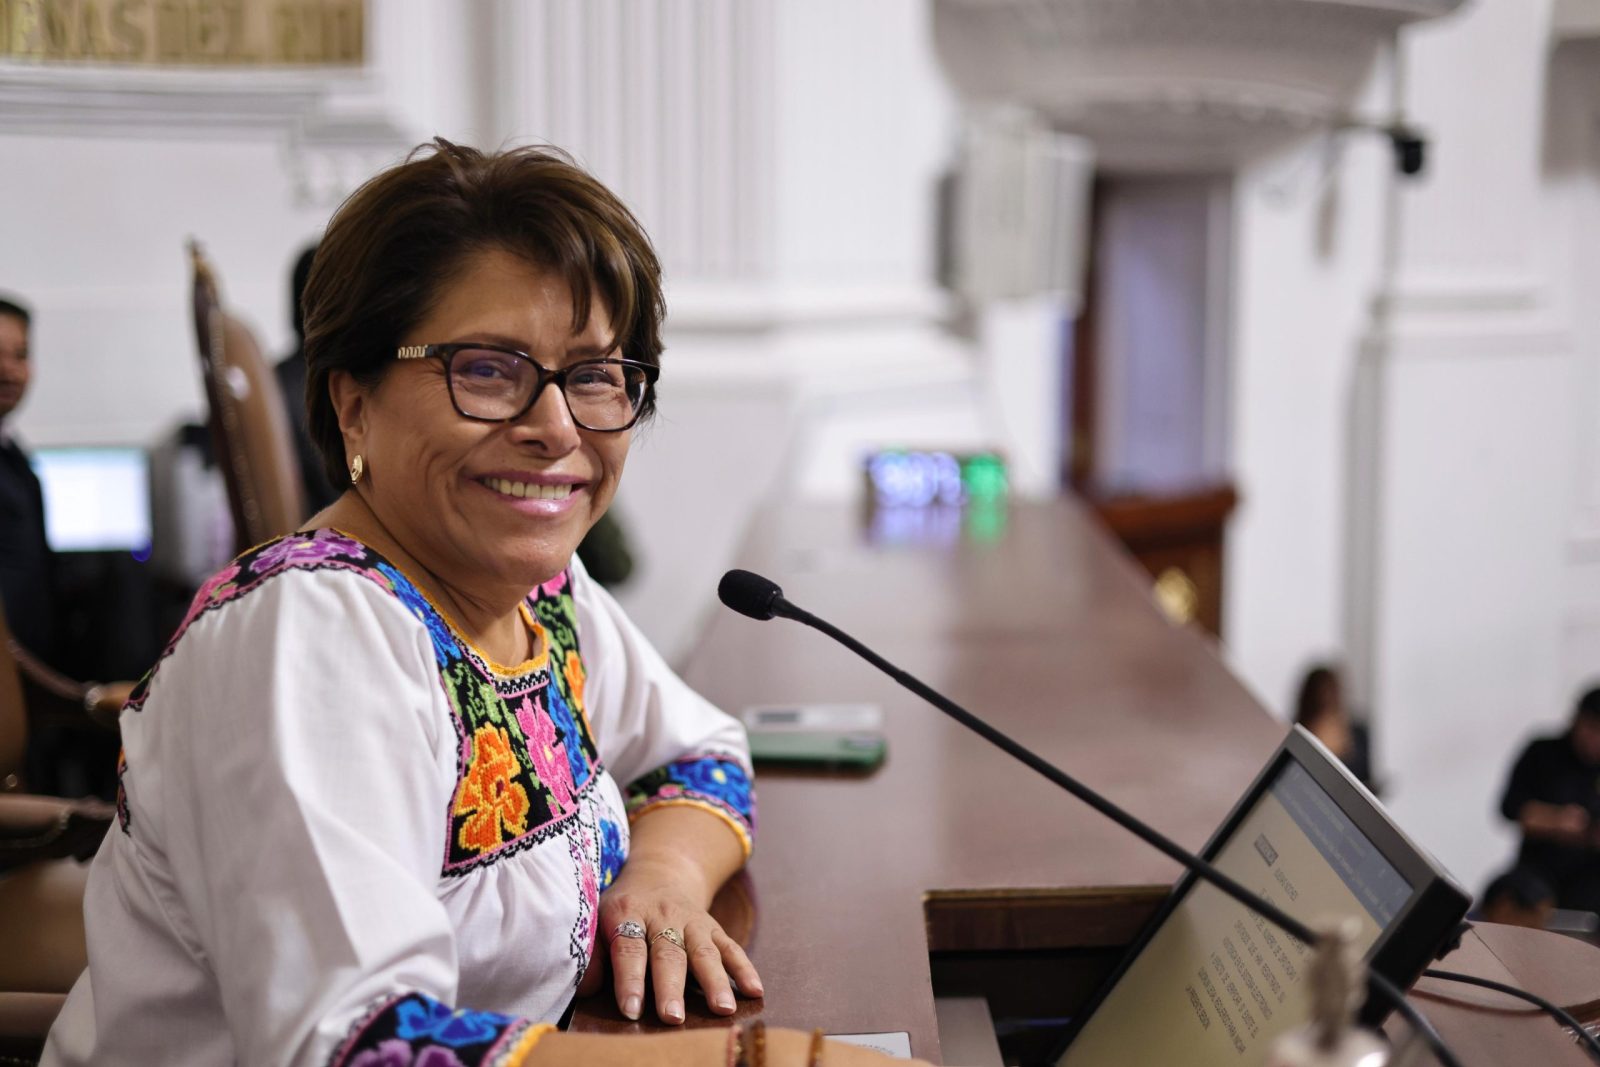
(347, 837)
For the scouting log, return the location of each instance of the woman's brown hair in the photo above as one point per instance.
(393, 246)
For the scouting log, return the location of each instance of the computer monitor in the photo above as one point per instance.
(96, 499)
(1210, 983)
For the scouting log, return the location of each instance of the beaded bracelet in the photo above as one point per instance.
(814, 1058)
(758, 1044)
(736, 1046)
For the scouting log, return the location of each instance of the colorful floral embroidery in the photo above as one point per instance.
(493, 808)
(445, 649)
(303, 549)
(418, 1031)
(716, 782)
(551, 766)
(525, 762)
(397, 1053)
(581, 844)
(572, 671)
(557, 763)
(612, 852)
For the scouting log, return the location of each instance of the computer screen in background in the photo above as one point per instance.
(96, 499)
(1214, 984)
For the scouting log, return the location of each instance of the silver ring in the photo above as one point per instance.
(628, 928)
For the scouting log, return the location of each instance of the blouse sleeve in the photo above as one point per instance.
(667, 742)
(299, 773)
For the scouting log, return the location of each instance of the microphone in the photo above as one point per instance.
(761, 598)
(750, 594)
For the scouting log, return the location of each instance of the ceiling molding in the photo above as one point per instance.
(1172, 84)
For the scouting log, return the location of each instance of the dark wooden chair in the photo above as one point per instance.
(250, 429)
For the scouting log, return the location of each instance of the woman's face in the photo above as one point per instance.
(445, 487)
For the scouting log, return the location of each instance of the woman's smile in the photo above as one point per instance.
(535, 494)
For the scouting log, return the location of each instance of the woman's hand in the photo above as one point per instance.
(679, 857)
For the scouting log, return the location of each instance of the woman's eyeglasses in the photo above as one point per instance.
(490, 383)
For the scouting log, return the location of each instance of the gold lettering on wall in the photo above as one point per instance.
(225, 33)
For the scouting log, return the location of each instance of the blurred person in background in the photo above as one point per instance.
(1320, 708)
(65, 756)
(408, 780)
(291, 374)
(1518, 897)
(1554, 797)
(27, 566)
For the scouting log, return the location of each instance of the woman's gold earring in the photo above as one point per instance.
(356, 469)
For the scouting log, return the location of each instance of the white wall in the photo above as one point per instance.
(1414, 435)
(1474, 355)
(1308, 246)
(108, 174)
(99, 253)
(785, 158)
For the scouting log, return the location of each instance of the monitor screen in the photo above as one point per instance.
(95, 499)
(1214, 983)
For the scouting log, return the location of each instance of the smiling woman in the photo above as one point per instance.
(407, 780)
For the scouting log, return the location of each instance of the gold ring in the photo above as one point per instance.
(671, 935)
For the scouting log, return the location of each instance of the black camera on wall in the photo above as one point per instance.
(1410, 149)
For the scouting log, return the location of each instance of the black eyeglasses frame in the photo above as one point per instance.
(545, 376)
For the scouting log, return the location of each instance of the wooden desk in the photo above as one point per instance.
(1043, 627)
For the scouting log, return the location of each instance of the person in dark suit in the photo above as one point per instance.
(27, 565)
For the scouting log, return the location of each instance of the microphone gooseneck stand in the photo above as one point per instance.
(761, 599)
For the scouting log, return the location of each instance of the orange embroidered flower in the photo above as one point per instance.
(574, 673)
(487, 796)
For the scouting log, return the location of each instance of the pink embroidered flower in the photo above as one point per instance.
(217, 589)
(398, 1053)
(301, 548)
(554, 585)
(550, 765)
(591, 893)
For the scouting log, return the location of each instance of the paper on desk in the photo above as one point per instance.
(897, 1044)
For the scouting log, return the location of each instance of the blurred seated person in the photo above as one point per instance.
(291, 375)
(1518, 897)
(27, 566)
(407, 780)
(1320, 708)
(1554, 797)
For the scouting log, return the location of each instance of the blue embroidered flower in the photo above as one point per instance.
(714, 778)
(612, 854)
(567, 727)
(444, 642)
(419, 1017)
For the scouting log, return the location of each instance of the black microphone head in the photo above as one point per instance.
(750, 594)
